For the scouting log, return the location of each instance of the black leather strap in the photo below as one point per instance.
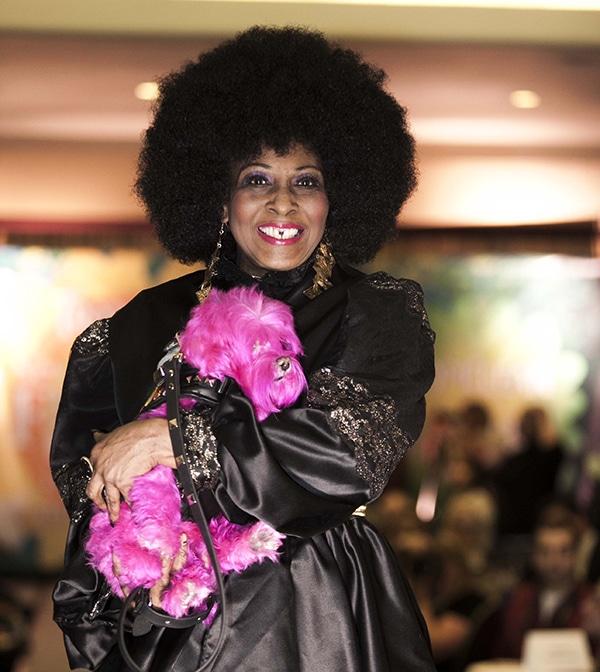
(209, 391)
(144, 615)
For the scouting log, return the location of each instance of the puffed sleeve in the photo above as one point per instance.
(307, 468)
(87, 403)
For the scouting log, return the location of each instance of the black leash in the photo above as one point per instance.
(137, 603)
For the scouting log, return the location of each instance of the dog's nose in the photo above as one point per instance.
(283, 363)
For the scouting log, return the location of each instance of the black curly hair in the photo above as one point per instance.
(271, 88)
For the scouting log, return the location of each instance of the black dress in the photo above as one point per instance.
(337, 600)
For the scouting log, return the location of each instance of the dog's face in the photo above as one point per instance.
(281, 353)
(272, 376)
(250, 338)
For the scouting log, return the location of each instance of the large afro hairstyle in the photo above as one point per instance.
(271, 88)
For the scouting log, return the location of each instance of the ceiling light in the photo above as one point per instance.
(146, 91)
(524, 99)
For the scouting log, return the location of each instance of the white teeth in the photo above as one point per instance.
(281, 234)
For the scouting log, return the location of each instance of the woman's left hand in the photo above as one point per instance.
(119, 456)
(169, 567)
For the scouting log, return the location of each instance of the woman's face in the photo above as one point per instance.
(277, 210)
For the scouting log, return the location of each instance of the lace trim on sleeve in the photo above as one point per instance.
(94, 340)
(366, 421)
(71, 481)
(200, 447)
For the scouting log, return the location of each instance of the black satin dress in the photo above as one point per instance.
(337, 600)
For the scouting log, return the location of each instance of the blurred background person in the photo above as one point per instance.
(469, 521)
(452, 603)
(551, 598)
(523, 480)
(477, 440)
(587, 560)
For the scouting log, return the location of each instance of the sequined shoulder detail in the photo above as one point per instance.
(94, 340)
(412, 289)
(367, 421)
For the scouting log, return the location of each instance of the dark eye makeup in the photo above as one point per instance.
(256, 178)
(308, 180)
(259, 178)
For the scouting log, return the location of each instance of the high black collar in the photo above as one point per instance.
(275, 284)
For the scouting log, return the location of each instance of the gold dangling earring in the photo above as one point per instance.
(324, 263)
(211, 269)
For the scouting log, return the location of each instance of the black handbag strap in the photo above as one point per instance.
(138, 599)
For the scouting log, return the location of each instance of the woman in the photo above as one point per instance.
(286, 155)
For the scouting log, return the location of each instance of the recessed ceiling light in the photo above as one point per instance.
(146, 91)
(524, 99)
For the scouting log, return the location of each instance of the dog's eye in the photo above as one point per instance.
(285, 346)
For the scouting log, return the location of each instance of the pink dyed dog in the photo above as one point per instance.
(250, 338)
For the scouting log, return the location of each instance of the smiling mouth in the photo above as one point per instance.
(280, 232)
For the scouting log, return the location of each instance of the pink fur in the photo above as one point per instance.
(249, 334)
(237, 547)
(250, 338)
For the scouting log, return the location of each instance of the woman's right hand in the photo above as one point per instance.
(119, 456)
